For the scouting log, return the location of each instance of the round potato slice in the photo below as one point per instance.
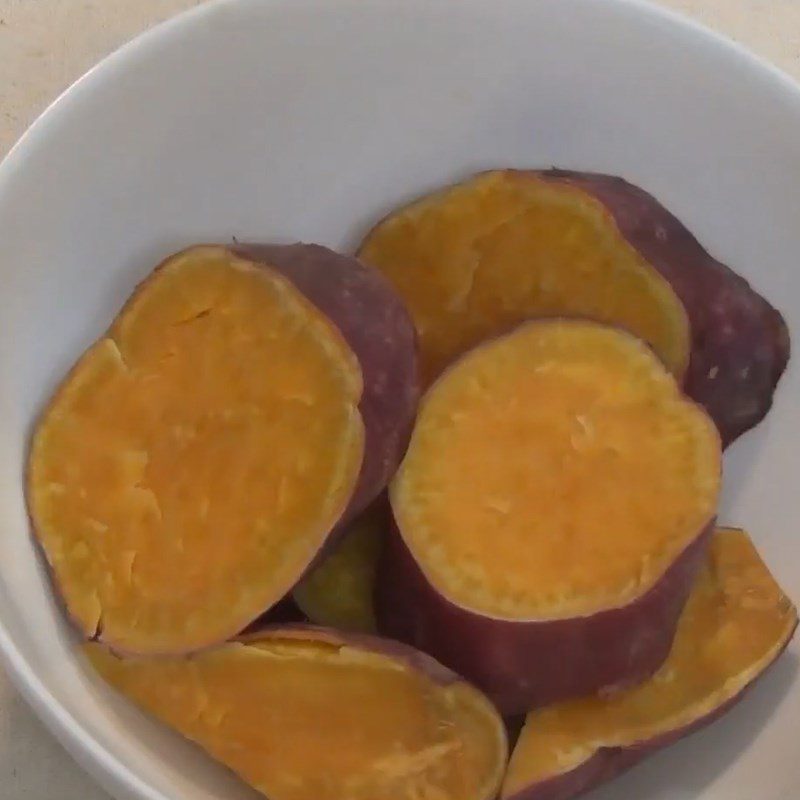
(197, 458)
(550, 514)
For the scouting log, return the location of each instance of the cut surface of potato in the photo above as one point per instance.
(735, 624)
(339, 592)
(310, 714)
(479, 257)
(555, 472)
(196, 458)
(550, 514)
(476, 258)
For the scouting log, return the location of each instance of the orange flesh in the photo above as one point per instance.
(737, 620)
(477, 258)
(314, 720)
(339, 591)
(555, 472)
(195, 458)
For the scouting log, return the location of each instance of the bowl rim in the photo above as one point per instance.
(104, 767)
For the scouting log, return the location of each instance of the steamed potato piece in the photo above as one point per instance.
(196, 460)
(308, 714)
(550, 514)
(735, 624)
(473, 259)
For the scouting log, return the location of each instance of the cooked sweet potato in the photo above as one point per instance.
(504, 246)
(736, 623)
(305, 713)
(195, 461)
(339, 591)
(551, 513)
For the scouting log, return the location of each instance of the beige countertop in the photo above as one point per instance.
(44, 46)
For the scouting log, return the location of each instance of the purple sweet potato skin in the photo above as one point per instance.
(740, 343)
(524, 664)
(609, 762)
(375, 323)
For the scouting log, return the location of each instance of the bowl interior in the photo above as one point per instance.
(309, 120)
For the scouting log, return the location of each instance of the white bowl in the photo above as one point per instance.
(308, 119)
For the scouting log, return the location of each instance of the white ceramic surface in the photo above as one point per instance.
(307, 119)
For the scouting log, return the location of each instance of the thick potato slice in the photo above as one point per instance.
(550, 513)
(195, 461)
(476, 258)
(736, 623)
(311, 714)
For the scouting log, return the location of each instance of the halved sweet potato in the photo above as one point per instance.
(507, 245)
(192, 465)
(305, 713)
(735, 625)
(339, 591)
(551, 511)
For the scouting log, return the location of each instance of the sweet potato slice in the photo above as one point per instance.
(311, 714)
(551, 512)
(479, 257)
(339, 592)
(194, 462)
(736, 623)
(507, 245)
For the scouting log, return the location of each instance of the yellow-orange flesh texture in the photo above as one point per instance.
(311, 719)
(736, 621)
(479, 257)
(339, 591)
(196, 457)
(554, 472)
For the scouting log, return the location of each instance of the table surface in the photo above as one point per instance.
(44, 46)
